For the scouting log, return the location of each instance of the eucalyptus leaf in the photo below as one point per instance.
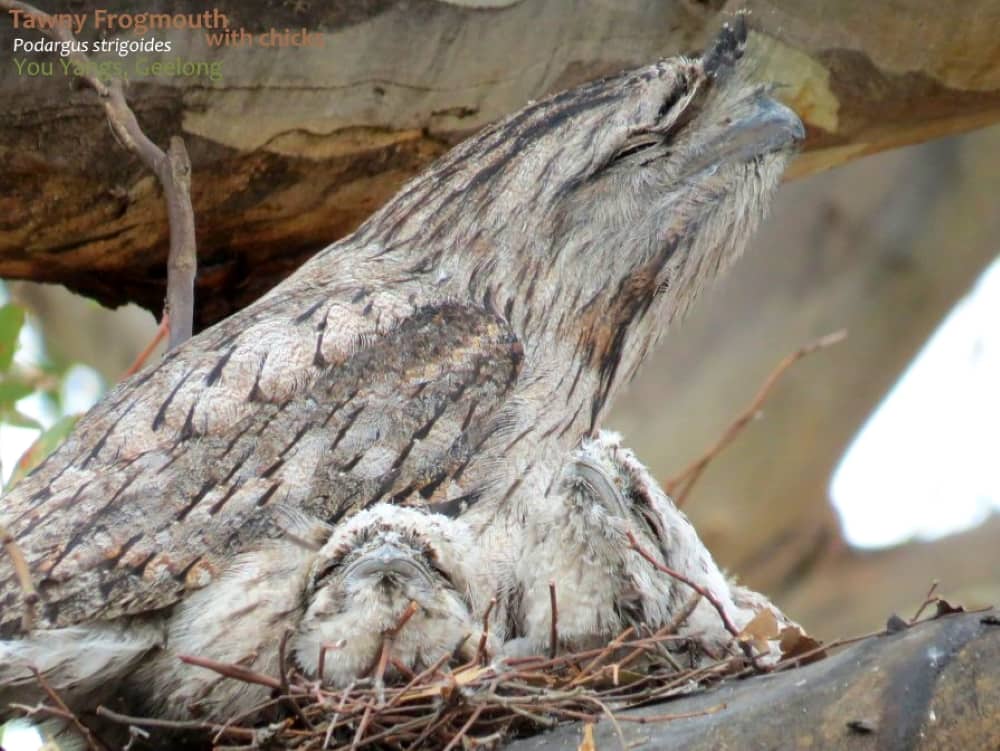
(11, 321)
(44, 445)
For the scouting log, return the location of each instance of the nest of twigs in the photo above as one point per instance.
(468, 706)
(480, 703)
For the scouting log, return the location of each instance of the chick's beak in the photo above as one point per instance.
(388, 561)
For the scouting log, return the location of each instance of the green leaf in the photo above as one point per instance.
(11, 321)
(44, 445)
(11, 391)
(11, 416)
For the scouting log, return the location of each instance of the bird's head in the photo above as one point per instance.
(395, 555)
(587, 214)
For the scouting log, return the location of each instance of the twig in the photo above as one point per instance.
(410, 611)
(588, 670)
(362, 726)
(388, 639)
(336, 714)
(394, 730)
(248, 713)
(680, 485)
(135, 734)
(554, 625)
(237, 672)
(465, 728)
(161, 331)
(172, 169)
(403, 670)
(614, 720)
(286, 690)
(929, 599)
(726, 622)
(481, 650)
(649, 719)
(423, 675)
(667, 629)
(28, 592)
(82, 729)
(149, 722)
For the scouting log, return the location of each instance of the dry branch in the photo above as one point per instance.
(680, 485)
(66, 713)
(140, 361)
(172, 169)
(30, 594)
(723, 616)
(470, 705)
(554, 624)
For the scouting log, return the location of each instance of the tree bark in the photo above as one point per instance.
(293, 147)
(933, 686)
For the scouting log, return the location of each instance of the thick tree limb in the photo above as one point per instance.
(295, 146)
(933, 686)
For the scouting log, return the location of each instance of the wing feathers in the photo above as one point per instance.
(257, 428)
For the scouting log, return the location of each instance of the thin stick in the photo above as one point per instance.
(394, 730)
(410, 611)
(161, 331)
(588, 670)
(149, 722)
(614, 720)
(252, 712)
(648, 719)
(336, 715)
(237, 672)
(172, 169)
(57, 700)
(929, 599)
(481, 650)
(667, 629)
(21, 569)
(726, 622)
(362, 726)
(554, 626)
(465, 728)
(680, 485)
(388, 639)
(286, 690)
(430, 671)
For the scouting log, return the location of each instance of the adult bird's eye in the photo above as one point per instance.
(635, 144)
(679, 92)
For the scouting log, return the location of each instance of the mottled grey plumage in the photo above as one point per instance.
(450, 353)
(333, 591)
(338, 600)
(579, 541)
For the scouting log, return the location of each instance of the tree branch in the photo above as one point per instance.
(680, 485)
(172, 169)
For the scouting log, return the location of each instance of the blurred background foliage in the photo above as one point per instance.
(59, 353)
(40, 381)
